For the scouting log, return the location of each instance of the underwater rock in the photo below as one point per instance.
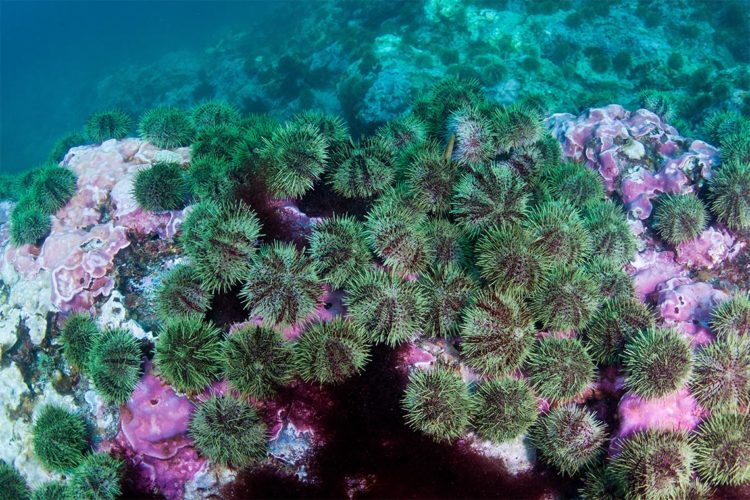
(24, 303)
(676, 411)
(114, 314)
(388, 96)
(18, 408)
(638, 155)
(651, 268)
(708, 250)
(96, 224)
(208, 482)
(12, 389)
(154, 440)
(516, 455)
(687, 305)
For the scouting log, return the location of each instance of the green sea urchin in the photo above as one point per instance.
(653, 464)
(64, 144)
(720, 124)
(97, 478)
(331, 127)
(161, 187)
(657, 361)
(559, 369)
(331, 352)
(506, 408)
(566, 298)
(257, 361)
(105, 125)
(181, 294)
(614, 282)
(721, 378)
(28, 224)
(220, 239)
(282, 285)
(218, 141)
(210, 178)
(610, 234)
(569, 438)
(613, 325)
(658, 102)
(447, 291)
(679, 218)
(114, 365)
(166, 127)
(403, 132)
(60, 438)
(188, 354)
(430, 179)
(571, 181)
(445, 97)
(397, 235)
(600, 484)
(79, 333)
(12, 485)
(722, 449)
(212, 113)
(508, 260)
(496, 334)
(228, 431)
(489, 195)
(516, 126)
(559, 232)
(735, 147)
(438, 404)
(363, 170)
(51, 490)
(387, 307)
(472, 133)
(732, 316)
(297, 155)
(729, 195)
(338, 244)
(447, 243)
(52, 188)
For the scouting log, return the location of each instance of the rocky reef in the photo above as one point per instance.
(474, 301)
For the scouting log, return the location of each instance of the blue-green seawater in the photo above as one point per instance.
(365, 60)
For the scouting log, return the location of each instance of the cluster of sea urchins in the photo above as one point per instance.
(473, 230)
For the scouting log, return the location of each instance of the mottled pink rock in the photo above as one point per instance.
(412, 356)
(637, 154)
(297, 222)
(651, 268)
(640, 186)
(687, 305)
(676, 411)
(89, 231)
(153, 438)
(712, 247)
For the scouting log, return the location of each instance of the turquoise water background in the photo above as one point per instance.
(365, 60)
(55, 53)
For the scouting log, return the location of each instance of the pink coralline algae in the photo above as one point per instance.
(95, 225)
(637, 154)
(687, 305)
(153, 438)
(676, 411)
(650, 268)
(711, 248)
